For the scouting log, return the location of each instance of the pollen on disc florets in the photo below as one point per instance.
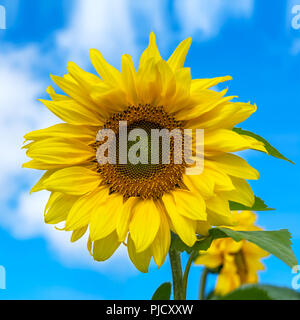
(143, 180)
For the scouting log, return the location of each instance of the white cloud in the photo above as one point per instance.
(205, 18)
(105, 25)
(27, 222)
(19, 110)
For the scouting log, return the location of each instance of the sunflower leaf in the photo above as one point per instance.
(277, 243)
(259, 205)
(203, 243)
(260, 292)
(271, 150)
(163, 292)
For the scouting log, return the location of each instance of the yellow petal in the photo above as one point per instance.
(78, 233)
(209, 260)
(245, 218)
(190, 205)
(141, 259)
(105, 217)
(184, 227)
(168, 82)
(235, 166)
(216, 219)
(111, 101)
(219, 212)
(58, 207)
(129, 74)
(150, 53)
(201, 103)
(107, 72)
(60, 151)
(203, 228)
(39, 185)
(242, 194)
(53, 197)
(226, 115)
(222, 140)
(161, 244)
(73, 181)
(202, 184)
(39, 165)
(177, 59)
(68, 131)
(125, 218)
(221, 180)
(255, 144)
(74, 113)
(73, 90)
(252, 251)
(202, 84)
(54, 96)
(227, 282)
(144, 224)
(243, 112)
(105, 248)
(80, 214)
(228, 245)
(85, 79)
(148, 83)
(90, 246)
(178, 104)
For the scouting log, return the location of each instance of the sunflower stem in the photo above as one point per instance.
(178, 288)
(186, 272)
(203, 284)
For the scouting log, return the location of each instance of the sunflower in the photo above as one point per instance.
(239, 262)
(139, 205)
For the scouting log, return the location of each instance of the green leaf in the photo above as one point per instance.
(203, 243)
(163, 292)
(271, 150)
(276, 242)
(261, 292)
(259, 205)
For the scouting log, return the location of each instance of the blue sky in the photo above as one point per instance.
(253, 41)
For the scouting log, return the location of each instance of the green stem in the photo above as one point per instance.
(203, 284)
(175, 261)
(186, 272)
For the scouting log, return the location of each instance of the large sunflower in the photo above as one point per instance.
(139, 205)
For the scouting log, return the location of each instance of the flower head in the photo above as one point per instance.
(140, 204)
(239, 262)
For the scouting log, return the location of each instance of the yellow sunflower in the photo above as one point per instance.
(139, 205)
(239, 261)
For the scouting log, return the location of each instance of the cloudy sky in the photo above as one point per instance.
(250, 40)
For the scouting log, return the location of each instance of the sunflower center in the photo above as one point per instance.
(141, 170)
(241, 264)
(143, 179)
